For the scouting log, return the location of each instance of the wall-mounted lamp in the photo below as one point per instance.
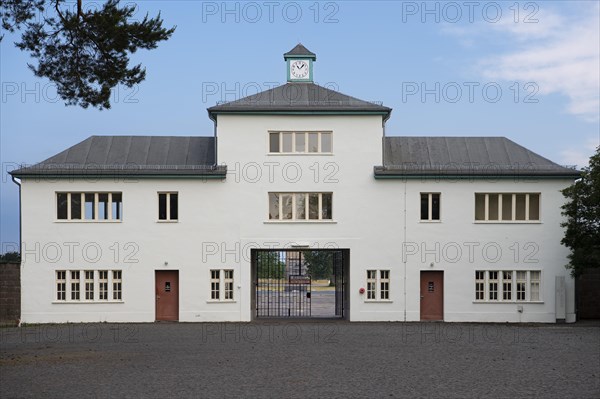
(431, 264)
(166, 263)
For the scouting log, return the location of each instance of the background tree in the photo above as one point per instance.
(10, 257)
(319, 264)
(582, 234)
(270, 265)
(84, 52)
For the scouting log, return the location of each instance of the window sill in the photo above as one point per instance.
(167, 221)
(87, 221)
(430, 221)
(86, 302)
(300, 222)
(511, 302)
(300, 154)
(378, 301)
(219, 301)
(507, 222)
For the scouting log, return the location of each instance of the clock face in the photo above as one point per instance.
(299, 69)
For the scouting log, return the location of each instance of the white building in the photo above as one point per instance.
(126, 228)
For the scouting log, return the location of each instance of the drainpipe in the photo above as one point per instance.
(20, 228)
(20, 238)
(404, 246)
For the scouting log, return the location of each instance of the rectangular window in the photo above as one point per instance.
(168, 204)
(117, 285)
(228, 279)
(61, 206)
(221, 285)
(507, 207)
(508, 285)
(493, 286)
(300, 206)
(480, 285)
(534, 283)
(378, 285)
(61, 285)
(80, 285)
(371, 284)
(117, 206)
(89, 206)
(300, 142)
(430, 206)
(384, 284)
(215, 284)
(76, 205)
(274, 142)
(75, 284)
(89, 285)
(521, 285)
(103, 208)
(103, 284)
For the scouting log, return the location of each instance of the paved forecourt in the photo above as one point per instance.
(283, 358)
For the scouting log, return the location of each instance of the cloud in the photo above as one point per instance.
(560, 53)
(579, 155)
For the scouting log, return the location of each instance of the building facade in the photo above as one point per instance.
(380, 228)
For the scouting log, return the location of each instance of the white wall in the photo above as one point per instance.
(219, 221)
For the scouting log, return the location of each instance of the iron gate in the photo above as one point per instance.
(299, 282)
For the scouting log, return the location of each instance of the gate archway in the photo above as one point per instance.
(300, 283)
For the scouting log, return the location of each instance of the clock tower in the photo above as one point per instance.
(299, 62)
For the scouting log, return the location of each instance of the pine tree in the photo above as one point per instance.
(84, 52)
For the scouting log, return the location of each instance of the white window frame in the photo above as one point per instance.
(513, 219)
(224, 283)
(306, 141)
(83, 219)
(378, 283)
(168, 205)
(294, 210)
(83, 281)
(75, 282)
(430, 207)
(103, 282)
(61, 285)
(514, 282)
(89, 285)
(117, 284)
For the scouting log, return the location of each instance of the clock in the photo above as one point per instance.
(299, 69)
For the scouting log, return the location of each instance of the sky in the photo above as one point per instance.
(526, 70)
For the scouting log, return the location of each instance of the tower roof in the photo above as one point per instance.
(300, 51)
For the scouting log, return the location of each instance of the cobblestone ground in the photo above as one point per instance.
(282, 359)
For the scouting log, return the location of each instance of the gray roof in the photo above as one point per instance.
(464, 156)
(132, 155)
(300, 50)
(300, 98)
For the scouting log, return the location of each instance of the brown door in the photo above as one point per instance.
(167, 295)
(432, 295)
